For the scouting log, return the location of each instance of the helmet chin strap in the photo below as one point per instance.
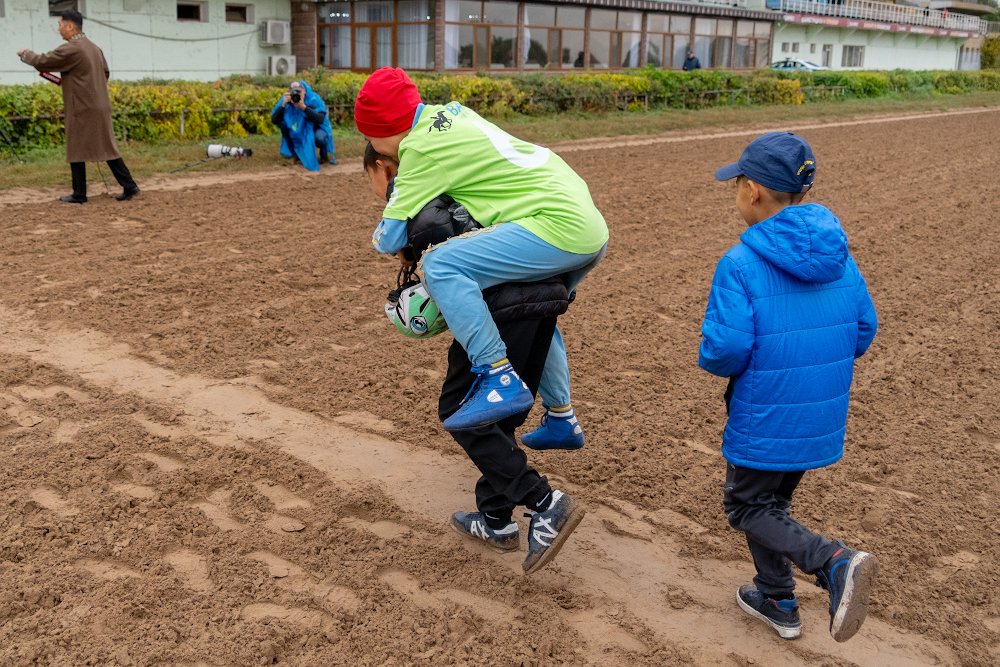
(405, 275)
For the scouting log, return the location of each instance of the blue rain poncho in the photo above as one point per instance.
(302, 130)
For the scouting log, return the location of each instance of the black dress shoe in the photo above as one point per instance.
(74, 199)
(128, 194)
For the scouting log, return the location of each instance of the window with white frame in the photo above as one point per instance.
(853, 56)
(239, 13)
(784, 47)
(827, 55)
(795, 47)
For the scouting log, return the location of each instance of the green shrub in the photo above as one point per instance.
(869, 84)
(149, 110)
(990, 53)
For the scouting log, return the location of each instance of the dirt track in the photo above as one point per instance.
(218, 453)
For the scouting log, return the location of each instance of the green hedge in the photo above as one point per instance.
(149, 110)
(878, 84)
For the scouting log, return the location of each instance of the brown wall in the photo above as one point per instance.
(439, 36)
(304, 35)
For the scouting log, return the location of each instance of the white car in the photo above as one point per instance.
(796, 65)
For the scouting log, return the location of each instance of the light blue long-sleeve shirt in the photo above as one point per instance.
(390, 236)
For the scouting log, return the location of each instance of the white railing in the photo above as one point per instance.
(884, 11)
(717, 3)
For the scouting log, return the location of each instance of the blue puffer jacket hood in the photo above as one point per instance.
(806, 241)
(787, 316)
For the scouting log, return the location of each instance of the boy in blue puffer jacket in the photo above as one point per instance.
(787, 316)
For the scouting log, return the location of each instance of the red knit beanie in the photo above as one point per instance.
(386, 103)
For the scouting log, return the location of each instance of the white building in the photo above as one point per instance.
(168, 39)
(208, 39)
(864, 34)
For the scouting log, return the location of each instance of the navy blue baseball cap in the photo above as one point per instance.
(777, 160)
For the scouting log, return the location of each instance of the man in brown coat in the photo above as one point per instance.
(89, 134)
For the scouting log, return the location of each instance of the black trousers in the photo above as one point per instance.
(507, 480)
(757, 502)
(118, 168)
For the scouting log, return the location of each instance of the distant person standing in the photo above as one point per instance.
(90, 136)
(691, 62)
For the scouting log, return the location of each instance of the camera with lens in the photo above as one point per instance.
(296, 96)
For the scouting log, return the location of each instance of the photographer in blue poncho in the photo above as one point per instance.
(305, 126)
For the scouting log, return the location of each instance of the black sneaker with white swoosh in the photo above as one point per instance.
(549, 529)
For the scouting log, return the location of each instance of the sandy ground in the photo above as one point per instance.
(216, 451)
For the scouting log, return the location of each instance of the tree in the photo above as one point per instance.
(991, 53)
(995, 16)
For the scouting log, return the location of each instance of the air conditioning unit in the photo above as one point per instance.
(275, 32)
(280, 65)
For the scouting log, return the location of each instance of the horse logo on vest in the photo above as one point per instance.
(441, 123)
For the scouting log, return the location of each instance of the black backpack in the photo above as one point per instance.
(438, 221)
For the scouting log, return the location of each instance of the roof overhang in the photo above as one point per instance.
(692, 8)
(971, 8)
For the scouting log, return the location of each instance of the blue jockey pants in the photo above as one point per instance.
(457, 271)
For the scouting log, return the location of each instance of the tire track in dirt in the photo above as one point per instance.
(168, 182)
(621, 557)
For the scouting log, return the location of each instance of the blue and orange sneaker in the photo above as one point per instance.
(558, 430)
(497, 393)
(781, 615)
(847, 576)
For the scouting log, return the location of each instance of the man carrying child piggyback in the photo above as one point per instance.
(538, 221)
(787, 315)
(525, 314)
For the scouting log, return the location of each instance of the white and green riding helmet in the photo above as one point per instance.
(414, 312)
